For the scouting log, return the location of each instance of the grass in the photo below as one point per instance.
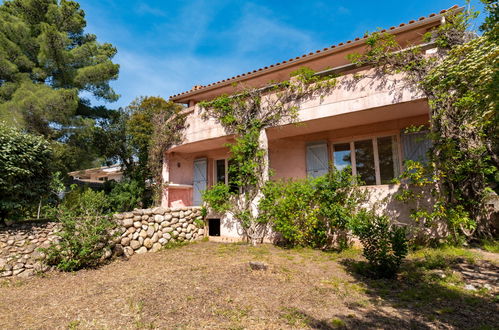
(443, 257)
(490, 245)
(210, 285)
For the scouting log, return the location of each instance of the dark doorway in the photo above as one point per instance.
(214, 227)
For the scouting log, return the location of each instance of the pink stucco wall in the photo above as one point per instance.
(287, 154)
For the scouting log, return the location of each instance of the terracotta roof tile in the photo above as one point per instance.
(311, 53)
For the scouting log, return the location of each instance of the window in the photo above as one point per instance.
(342, 155)
(388, 159)
(364, 161)
(222, 174)
(375, 160)
(220, 171)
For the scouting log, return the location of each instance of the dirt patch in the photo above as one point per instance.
(212, 285)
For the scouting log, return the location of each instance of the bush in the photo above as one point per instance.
(125, 195)
(311, 212)
(86, 231)
(25, 172)
(385, 245)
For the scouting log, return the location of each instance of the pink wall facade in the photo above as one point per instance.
(287, 151)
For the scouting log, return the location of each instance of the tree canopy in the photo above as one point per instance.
(47, 62)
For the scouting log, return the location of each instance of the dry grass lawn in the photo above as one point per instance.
(210, 285)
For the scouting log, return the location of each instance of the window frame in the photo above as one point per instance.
(374, 140)
(226, 167)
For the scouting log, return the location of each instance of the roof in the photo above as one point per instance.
(305, 57)
(116, 168)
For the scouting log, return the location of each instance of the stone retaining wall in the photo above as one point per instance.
(140, 231)
(19, 243)
(150, 229)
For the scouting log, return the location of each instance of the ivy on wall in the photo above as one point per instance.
(246, 114)
(460, 81)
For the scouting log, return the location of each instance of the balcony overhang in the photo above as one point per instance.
(351, 119)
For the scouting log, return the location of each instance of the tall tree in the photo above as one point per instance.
(46, 62)
(138, 136)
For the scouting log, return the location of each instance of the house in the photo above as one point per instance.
(361, 124)
(98, 175)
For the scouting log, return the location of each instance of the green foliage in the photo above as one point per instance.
(460, 80)
(246, 114)
(311, 212)
(47, 59)
(290, 208)
(464, 101)
(86, 231)
(442, 257)
(491, 245)
(25, 171)
(490, 25)
(218, 197)
(125, 195)
(148, 127)
(47, 62)
(384, 245)
(419, 182)
(246, 159)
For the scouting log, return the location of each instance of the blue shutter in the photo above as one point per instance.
(199, 181)
(317, 160)
(416, 146)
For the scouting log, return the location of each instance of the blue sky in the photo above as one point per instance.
(166, 47)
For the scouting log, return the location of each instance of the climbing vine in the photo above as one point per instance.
(460, 80)
(168, 128)
(246, 114)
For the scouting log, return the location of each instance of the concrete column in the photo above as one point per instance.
(263, 143)
(166, 178)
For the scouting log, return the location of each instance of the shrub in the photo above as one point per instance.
(86, 231)
(311, 212)
(384, 245)
(25, 173)
(125, 195)
(289, 207)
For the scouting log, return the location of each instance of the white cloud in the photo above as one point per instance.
(171, 58)
(343, 10)
(145, 9)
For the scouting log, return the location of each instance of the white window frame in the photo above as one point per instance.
(374, 140)
(226, 170)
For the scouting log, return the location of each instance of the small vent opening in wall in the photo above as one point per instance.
(214, 227)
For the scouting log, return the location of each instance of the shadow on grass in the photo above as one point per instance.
(375, 319)
(428, 293)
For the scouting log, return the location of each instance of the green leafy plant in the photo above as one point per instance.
(25, 171)
(460, 80)
(384, 244)
(125, 195)
(246, 114)
(312, 212)
(86, 231)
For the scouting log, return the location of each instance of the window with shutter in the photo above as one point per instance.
(317, 160)
(416, 146)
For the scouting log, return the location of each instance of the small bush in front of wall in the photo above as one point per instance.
(289, 207)
(312, 212)
(384, 245)
(85, 234)
(125, 195)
